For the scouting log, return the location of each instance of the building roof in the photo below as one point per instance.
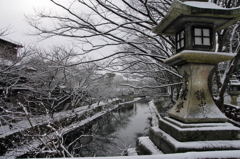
(204, 12)
(11, 42)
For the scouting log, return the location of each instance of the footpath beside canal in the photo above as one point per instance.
(70, 120)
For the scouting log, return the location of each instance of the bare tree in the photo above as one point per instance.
(127, 24)
(5, 31)
(228, 41)
(55, 85)
(119, 24)
(36, 88)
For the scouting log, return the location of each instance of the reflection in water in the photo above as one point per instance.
(116, 132)
(137, 123)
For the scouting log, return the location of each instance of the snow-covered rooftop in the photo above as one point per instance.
(11, 41)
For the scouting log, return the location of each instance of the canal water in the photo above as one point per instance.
(117, 131)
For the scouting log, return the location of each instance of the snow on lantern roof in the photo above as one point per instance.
(181, 13)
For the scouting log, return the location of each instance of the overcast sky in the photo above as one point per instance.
(12, 14)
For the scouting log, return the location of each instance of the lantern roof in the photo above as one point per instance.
(181, 13)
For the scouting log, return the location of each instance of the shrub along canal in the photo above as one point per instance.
(115, 132)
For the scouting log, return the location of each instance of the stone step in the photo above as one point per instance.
(146, 147)
(168, 144)
(198, 131)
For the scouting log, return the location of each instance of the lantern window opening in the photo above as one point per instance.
(202, 36)
(180, 40)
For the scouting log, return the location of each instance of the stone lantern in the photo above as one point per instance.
(234, 89)
(195, 117)
(194, 25)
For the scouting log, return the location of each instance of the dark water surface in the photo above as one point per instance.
(117, 131)
(137, 123)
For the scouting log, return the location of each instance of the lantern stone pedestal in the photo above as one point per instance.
(195, 123)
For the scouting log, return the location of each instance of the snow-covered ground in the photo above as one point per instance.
(40, 120)
(188, 155)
